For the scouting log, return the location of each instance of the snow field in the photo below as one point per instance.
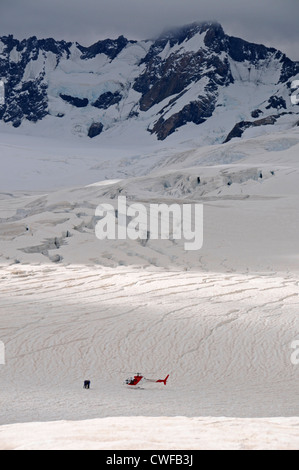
(221, 321)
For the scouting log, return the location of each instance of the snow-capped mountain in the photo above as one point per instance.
(195, 75)
(82, 126)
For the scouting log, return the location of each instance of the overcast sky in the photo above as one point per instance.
(271, 22)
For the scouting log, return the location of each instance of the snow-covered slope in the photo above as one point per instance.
(154, 433)
(249, 189)
(220, 321)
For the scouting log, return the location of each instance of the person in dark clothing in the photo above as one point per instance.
(86, 384)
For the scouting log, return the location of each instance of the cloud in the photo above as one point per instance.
(272, 22)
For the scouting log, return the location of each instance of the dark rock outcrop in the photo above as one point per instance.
(196, 112)
(74, 101)
(256, 113)
(107, 99)
(276, 102)
(109, 47)
(95, 129)
(240, 127)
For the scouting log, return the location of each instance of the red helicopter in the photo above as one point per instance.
(136, 380)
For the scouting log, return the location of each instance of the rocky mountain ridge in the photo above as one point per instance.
(191, 75)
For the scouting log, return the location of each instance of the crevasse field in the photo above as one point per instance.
(221, 321)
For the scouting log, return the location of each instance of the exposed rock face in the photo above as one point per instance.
(111, 48)
(196, 111)
(26, 93)
(180, 78)
(240, 127)
(256, 113)
(276, 102)
(74, 101)
(95, 129)
(173, 76)
(107, 99)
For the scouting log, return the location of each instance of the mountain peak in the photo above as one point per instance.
(178, 35)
